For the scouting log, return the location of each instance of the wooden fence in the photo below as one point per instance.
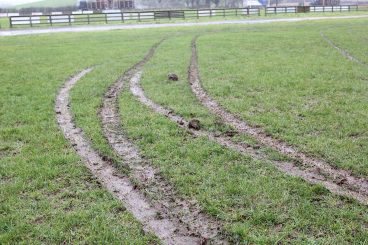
(307, 9)
(119, 16)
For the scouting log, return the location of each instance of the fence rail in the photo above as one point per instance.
(118, 16)
(307, 9)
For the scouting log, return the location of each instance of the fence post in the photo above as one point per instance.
(11, 22)
(265, 11)
(197, 14)
(30, 21)
(106, 18)
(139, 16)
(88, 19)
(236, 12)
(169, 13)
(210, 13)
(122, 16)
(70, 20)
(50, 20)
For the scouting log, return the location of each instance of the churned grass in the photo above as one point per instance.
(47, 195)
(256, 203)
(291, 82)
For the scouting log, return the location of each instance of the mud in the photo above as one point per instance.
(194, 124)
(188, 224)
(173, 77)
(255, 152)
(170, 231)
(343, 52)
(313, 170)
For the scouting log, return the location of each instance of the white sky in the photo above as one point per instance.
(15, 2)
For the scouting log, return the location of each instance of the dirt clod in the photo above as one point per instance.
(230, 133)
(342, 181)
(194, 124)
(173, 77)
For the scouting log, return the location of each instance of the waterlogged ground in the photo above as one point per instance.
(283, 77)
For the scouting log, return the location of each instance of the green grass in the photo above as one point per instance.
(46, 193)
(354, 39)
(258, 204)
(4, 23)
(296, 86)
(48, 4)
(43, 180)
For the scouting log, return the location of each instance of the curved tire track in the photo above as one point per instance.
(336, 180)
(182, 221)
(343, 52)
(286, 167)
(118, 185)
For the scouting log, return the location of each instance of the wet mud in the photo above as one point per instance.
(183, 219)
(313, 170)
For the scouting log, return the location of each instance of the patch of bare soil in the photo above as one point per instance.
(181, 221)
(344, 53)
(152, 217)
(338, 181)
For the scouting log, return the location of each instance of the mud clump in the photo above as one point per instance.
(173, 77)
(230, 133)
(194, 124)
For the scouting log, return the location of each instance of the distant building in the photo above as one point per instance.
(253, 3)
(106, 4)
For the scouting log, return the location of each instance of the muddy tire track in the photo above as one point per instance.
(290, 168)
(169, 231)
(343, 52)
(338, 181)
(182, 220)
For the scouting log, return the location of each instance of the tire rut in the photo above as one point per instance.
(181, 220)
(118, 185)
(343, 52)
(286, 167)
(338, 181)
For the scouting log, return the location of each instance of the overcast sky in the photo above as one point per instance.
(15, 2)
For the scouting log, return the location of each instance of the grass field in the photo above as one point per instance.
(282, 77)
(4, 23)
(314, 108)
(47, 195)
